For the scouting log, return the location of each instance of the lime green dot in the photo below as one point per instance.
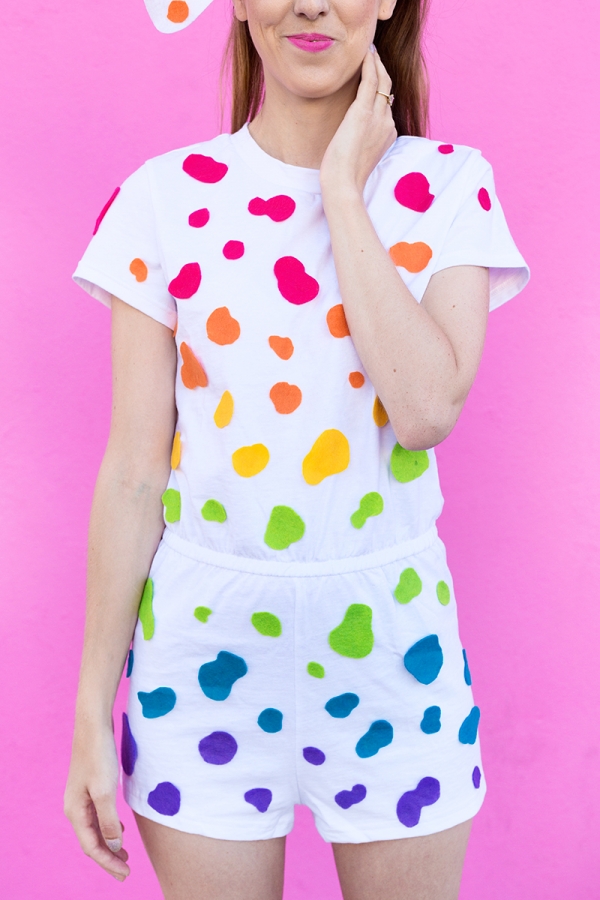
(370, 505)
(353, 637)
(213, 511)
(316, 670)
(406, 465)
(443, 593)
(172, 503)
(202, 613)
(409, 586)
(283, 528)
(145, 611)
(266, 623)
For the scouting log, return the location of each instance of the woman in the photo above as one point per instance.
(269, 488)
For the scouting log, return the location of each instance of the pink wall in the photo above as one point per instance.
(90, 92)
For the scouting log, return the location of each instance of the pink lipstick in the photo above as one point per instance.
(312, 43)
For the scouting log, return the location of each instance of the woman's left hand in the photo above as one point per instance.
(365, 133)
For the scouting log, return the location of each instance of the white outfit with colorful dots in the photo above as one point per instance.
(298, 638)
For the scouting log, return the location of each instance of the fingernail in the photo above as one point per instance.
(114, 845)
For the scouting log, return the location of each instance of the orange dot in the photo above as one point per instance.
(221, 327)
(138, 268)
(412, 257)
(178, 11)
(286, 397)
(192, 373)
(380, 416)
(282, 346)
(356, 379)
(336, 321)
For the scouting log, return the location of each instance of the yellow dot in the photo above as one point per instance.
(329, 455)
(224, 410)
(251, 460)
(380, 416)
(176, 451)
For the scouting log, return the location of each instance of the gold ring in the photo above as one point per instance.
(388, 97)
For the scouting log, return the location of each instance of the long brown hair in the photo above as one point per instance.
(399, 44)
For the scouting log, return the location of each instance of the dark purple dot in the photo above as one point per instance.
(233, 250)
(476, 776)
(165, 799)
(314, 756)
(129, 750)
(411, 803)
(346, 799)
(260, 798)
(218, 748)
(199, 218)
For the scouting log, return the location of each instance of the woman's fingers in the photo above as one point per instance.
(87, 829)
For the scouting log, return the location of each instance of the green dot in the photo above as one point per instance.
(443, 593)
(202, 613)
(266, 623)
(213, 511)
(353, 637)
(145, 611)
(370, 505)
(316, 670)
(409, 586)
(284, 528)
(406, 465)
(172, 503)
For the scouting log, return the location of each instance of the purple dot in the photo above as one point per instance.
(476, 776)
(218, 748)
(411, 803)
(129, 750)
(346, 799)
(314, 756)
(260, 798)
(165, 799)
(233, 250)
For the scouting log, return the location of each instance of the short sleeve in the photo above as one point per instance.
(479, 236)
(123, 256)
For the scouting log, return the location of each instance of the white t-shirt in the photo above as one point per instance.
(282, 449)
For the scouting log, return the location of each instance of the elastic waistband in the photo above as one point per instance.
(296, 568)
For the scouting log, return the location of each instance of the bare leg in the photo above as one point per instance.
(192, 867)
(413, 868)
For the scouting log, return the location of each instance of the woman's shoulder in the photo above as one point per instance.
(190, 158)
(432, 151)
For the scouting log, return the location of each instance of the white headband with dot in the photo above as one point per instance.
(174, 15)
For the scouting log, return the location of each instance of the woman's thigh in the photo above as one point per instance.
(193, 867)
(415, 868)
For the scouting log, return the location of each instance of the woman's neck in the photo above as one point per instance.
(297, 130)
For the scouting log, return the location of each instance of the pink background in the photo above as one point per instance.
(90, 91)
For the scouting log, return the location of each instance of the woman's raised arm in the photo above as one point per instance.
(125, 527)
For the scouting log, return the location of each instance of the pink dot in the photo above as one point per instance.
(445, 148)
(199, 218)
(204, 168)
(233, 250)
(277, 208)
(185, 285)
(412, 191)
(294, 282)
(105, 209)
(484, 199)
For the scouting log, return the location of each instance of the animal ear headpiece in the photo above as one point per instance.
(174, 15)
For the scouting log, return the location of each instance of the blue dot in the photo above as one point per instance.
(157, 703)
(379, 735)
(430, 723)
(341, 706)
(271, 720)
(129, 664)
(468, 730)
(467, 671)
(216, 678)
(424, 659)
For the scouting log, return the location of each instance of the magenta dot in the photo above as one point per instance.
(199, 218)
(484, 199)
(105, 209)
(476, 776)
(233, 250)
(445, 148)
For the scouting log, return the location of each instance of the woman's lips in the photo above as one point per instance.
(313, 43)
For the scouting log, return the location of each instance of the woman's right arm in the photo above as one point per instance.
(126, 525)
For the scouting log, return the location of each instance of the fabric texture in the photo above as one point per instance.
(280, 428)
(316, 687)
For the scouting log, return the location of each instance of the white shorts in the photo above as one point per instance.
(342, 685)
